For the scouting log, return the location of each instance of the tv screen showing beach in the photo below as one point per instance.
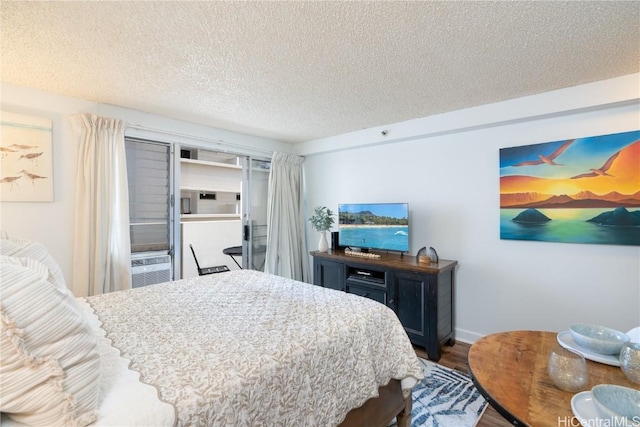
(383, 226)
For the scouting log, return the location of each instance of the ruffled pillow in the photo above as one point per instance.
(23, 248)
(49, 360)
(39, 268)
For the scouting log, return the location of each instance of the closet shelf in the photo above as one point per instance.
(195, 217)
(209, 190)
(207, 163)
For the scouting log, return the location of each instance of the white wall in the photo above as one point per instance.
(49, 223)
(52, 223)
(448, 172)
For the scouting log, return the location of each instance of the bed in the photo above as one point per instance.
(235, 348)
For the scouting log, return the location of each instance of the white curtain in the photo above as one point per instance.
(286, 245)
(101, 246)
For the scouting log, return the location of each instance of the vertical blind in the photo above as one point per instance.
(149, 175)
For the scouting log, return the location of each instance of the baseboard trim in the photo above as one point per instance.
(466, 336)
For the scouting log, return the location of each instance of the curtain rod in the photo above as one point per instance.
(219, 142)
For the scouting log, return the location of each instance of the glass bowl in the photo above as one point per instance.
(630, 361)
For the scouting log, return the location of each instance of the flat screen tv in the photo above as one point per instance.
(381, 226)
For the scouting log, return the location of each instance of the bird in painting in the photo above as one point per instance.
(10, 180)
(548, 159)
(599, 172)
(30, 156)
(33, 177)
(22, 146)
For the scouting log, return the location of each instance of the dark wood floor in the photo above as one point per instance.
(455, 357)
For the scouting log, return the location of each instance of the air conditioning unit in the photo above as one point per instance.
(150, 268)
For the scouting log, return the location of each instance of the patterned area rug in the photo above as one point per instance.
(445, 398)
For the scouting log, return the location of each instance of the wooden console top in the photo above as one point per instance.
(390, 260)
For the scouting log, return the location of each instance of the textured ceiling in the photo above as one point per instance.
(303, 70)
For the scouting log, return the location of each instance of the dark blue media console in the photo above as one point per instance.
(421, 294)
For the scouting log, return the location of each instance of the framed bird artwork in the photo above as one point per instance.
(26, 158)
(582, 190)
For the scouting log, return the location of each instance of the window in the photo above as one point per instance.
(150, 195)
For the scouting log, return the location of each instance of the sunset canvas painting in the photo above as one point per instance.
(583, 190)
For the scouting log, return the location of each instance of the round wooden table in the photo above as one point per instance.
(510, 370)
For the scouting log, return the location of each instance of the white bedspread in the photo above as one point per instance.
(245, 348)
(124, 400)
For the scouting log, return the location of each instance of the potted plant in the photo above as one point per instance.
(321, 221)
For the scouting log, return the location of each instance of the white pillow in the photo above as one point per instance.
(31, 263)
(49, 360)
(29, 249)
